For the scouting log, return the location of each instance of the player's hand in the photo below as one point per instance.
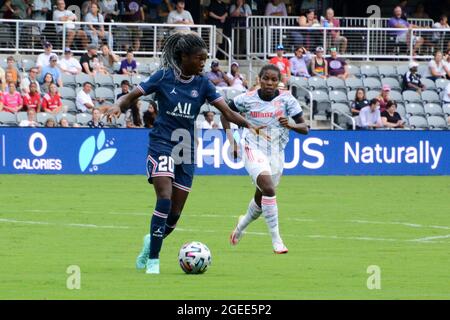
(112, 110)
(235, 152)
(284, 122)
(259, 132)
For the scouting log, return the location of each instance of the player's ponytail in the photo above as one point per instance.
(177, 44)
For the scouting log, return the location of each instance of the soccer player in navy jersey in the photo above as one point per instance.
(180, 90)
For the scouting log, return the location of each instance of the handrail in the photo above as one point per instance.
(311, 108)
(228, 54)
(335, 125)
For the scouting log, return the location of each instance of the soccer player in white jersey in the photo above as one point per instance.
(280, 112)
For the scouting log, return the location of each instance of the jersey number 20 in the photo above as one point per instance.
(166, 163)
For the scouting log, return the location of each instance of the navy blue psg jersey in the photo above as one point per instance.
(179, 102)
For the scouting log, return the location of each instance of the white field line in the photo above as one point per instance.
(80, 225)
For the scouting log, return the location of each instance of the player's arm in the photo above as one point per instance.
(226, 126)
(299, 124)
(125, 102)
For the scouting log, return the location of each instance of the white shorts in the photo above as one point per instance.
(257, 162)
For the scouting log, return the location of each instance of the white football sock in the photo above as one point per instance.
(270, 213)
(253, 213)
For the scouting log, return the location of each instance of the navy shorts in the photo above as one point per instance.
(163, 165)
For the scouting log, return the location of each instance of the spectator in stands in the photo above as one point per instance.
(308, 38)
(128, 65)
(51, 102)
(64, 123)
(134, 13)
(110, 10)
(420, 12)
(283, 64)
(83, 101)
(384, 97)
(45, 87)
(12, 100)
(96, 32)
(86, 7)
(238, 80)
(411, 79)
(27, 81)
(9, 78)
(125, 86)
(239, 10)
(2, 79)
(87, 60)
(150, 115)
(406, 10)
(96, 122)
(359, 102)
(440, 36)
(32, 99)
(336, 39)
(68, 17)
(369, 117)
(390, 117)
(300, 62)
(217, 76)
(16, 9)
(403, 36)
(180, 16)
(133, 117)
(50, 123)
(31, 120)
(11, 67)
(41, 9)
(217, 12)
(44, 58)
(53, 70)
(436, 67)
(319, 65)
(446, 62)
(164, 9)
(337, 67)
(276, 8)
(209, 123)
(107, 58)
(68, 64)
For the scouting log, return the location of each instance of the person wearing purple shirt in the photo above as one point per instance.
(276, 8)
(217, 76)
(128, 66)
(299, 63)
(404, 36)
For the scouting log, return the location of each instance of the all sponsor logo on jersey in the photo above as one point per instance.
(182, 110)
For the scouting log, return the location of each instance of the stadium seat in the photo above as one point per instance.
(414, 109)
(337, 96)
(70, 106)
(429, 84)
(83, 118)
(70, 117)
(142, 68)
(446, 109)
(321, 104)
(82, 78)
(372, 84)
(67, 93)
(103, 80)
(21, 115)
(335, 83)
(354, 83)
(42, 117)
(317, 83)
(68, 80)
(396, 96)
(411, 96)
(351, 95)
(137, 79)
(341, 108)
(153, 66)
(299, 81)
(387, 71)
(120, 122)
(105, 93)
(441, 84)
(402, 69)
(433, 109)
(437, 122)
(429, 96)
(7, 119)
(118, 78)
(418, 122)
(372, 94)
(401, 110)
(422, 69)
(354, 70)
(116, 66)
(393, 83)
(369, 71)
(27, 64)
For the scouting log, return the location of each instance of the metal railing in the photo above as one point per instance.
(228, 50)
(359, 43)
(346, 116)
(311, 99)
(28, 36)
(257, 29)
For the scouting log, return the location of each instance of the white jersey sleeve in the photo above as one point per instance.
(240, 102)
(292, 106)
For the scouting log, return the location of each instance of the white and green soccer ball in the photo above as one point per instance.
(194, 257)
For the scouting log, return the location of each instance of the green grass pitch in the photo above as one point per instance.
(334, 227)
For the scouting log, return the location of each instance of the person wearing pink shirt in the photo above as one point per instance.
(12, 100)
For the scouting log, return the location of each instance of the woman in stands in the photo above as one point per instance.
(51, 102)
(280, 112)
(48, 80)
(181, 89)
(384, 97)
(12, 100)
(390, 117)
(359, 102)
(319, 66)
(32, 99)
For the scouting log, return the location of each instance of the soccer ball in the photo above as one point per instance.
(194, 257)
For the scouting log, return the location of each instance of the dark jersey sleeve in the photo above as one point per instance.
(211, 93)
(152, 83)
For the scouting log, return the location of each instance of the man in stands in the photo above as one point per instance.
(68, 64)
(411, 79)
(370, 116)
(283, 64)
(336, 39)
(217, 76)
(44, 58)
(67, 16)
(125, 86)
(404, 36)
(180, 16)
(337, 67)
(299, 63)
(88, 60)
(53, 70)
(32, 78)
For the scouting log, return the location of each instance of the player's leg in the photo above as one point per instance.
(179, 198)
(253, 212)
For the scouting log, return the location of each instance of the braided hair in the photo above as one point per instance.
(177, 44)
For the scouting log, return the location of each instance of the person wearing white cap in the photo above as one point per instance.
(411, 79)
(68, 64)
(238, 80)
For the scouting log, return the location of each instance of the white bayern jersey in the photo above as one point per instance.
(266, 113)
